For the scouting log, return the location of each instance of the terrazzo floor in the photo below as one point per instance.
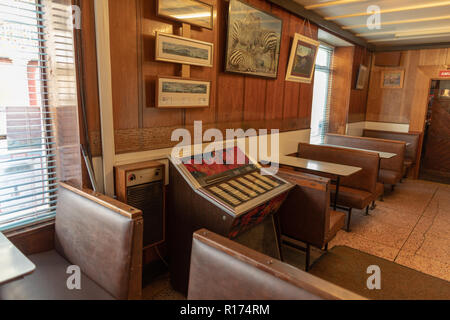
(410, 227)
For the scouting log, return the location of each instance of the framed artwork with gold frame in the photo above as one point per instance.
(175, 92)
(302, 60)
(171, 48)
(392, 79)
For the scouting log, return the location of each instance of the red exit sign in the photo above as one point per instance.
(444, 74)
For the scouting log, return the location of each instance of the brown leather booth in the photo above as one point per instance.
(222, 269)
(412, 140)
(306, 215)
(356, 191)
(100, 235)
(391, 170)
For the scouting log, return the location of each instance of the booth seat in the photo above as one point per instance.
(222, 269)
(412, 140)
(391, 170)
(101, 236)
(356, 191)
(306, 215)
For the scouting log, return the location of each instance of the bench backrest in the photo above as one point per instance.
(312, 220)
(366, 179)
(103, 237)
(222, 269)
(392, 146)
(411, 138)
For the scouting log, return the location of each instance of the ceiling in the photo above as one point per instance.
(403, 22)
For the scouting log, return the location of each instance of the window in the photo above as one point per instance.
(321, 94)
(38, 108)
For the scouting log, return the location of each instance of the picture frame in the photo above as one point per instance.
(175, 92)
(362, 78)
(171, 48)
(302, 59)
(392, 79)
(253, 41)
(194, 12)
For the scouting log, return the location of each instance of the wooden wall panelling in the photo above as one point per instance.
(447, 61)
(408, 92)
(207, 115)
(275, 88)
(124, 63)
(340, 91)
(384, 104)
(388, 59)
(236, 100)
(292, 89)
(430, 57)
(157, 125)
(90, 75)
(358, 98)
(230, 93)
(255, 87)
(85, 43)
(409, 104)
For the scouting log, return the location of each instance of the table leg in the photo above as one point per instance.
(338, 179)
(277, 229)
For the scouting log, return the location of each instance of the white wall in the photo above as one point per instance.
(356, 128)
(288, 142)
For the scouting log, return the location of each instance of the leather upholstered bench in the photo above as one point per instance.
(222, 269)
(412, 144)
(100, 235)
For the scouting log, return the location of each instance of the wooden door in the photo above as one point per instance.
(436, 149)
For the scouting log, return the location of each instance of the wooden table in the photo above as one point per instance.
(382, 154)
(13, 263)
(338, 170)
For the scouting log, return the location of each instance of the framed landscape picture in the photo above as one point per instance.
(253, 41)
(302, 59)
(392, 79)
(194, 12)
(177, 49)
(173, 92)
(363, 76)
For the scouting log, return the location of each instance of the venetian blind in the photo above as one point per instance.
(322, 91)
(39, 140)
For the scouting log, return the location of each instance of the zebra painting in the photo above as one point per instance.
(253, 44)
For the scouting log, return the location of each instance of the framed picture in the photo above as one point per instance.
(363, 76)
(302, 59)
(177, 49)
(194, 12)
(173, 92)
(392, 79)
(253, 41)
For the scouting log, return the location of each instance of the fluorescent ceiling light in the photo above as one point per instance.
(194, 15)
